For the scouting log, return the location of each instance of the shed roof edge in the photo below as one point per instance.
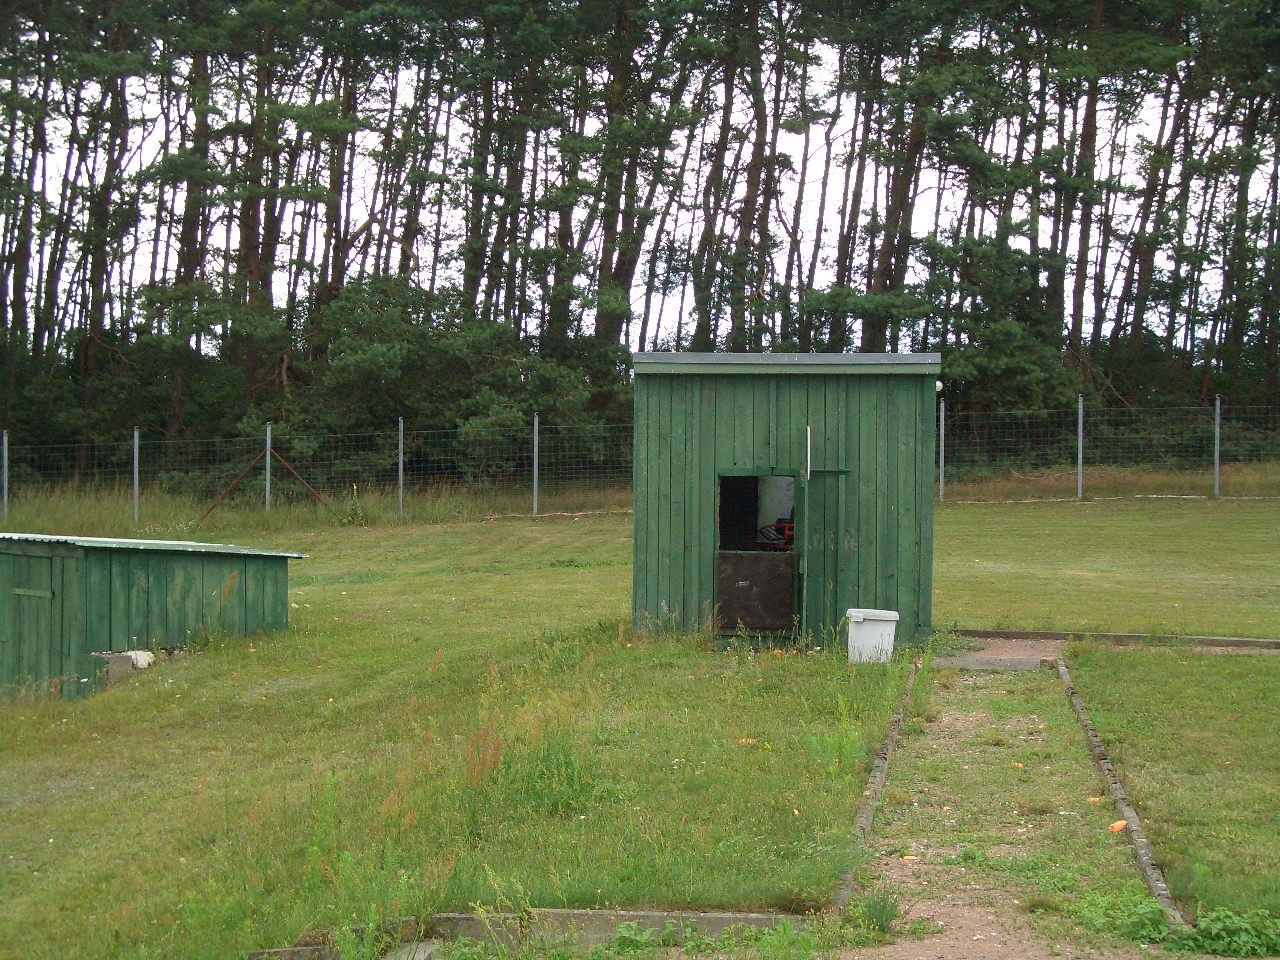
(783, 363)
(178, 546)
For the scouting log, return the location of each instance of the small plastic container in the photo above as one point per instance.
(871, 634)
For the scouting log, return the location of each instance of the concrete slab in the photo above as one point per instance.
(324, 952)
(1125, 639)
(979, 661)
(422, 950)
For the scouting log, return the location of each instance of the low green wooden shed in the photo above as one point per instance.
(63, 599)
(774, 492)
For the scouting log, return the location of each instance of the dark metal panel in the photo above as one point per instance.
(755, 590)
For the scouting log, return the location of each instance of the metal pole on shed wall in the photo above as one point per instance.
(400, 470)
(266, 490)
(135, 476)
(4, 469)
(535, 464)
(1080, 448)
(942, 450)
(1217, 441)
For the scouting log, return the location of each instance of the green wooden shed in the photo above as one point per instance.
(63, 599)
(774, 492)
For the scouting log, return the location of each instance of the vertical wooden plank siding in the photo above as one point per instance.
(666, 545)
(280, 569)
(275, 600)
(926, 453)
(8, 635)
(139, 598)
(75, 625)
(73, 601)
(869, 501)
(118, 597)
(868, 481)
(640, 502)
(679, 541)
(97, 597)
(707, 503)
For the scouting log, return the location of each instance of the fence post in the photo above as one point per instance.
(4, 469)
(400, 470)
(266, 490)
(1217, 442)
(1080, 447)
(535, 464)
(135, 476)
(942, 450)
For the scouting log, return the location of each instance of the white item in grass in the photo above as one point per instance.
(871, 634)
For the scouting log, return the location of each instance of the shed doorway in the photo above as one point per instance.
(756, 570)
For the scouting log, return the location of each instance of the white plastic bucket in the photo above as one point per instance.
(871, 634)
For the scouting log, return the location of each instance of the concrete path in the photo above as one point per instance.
(991, 827)
(1006, 654)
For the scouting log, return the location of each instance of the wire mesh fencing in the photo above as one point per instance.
(1114, 452)
(487, 469)
(479, 469)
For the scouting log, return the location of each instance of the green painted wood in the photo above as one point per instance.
(678, 550)
(640, 497)
(75, 626)
(926, 454)
(47, 545)
(8, 639)
(139, 605)
(255, 593)
(658, 491)
(97, 597)
(181, 601)
(280, 570)
(61, 602)
(257, 613)
(870, 506)
(36, 545)
(31, 624)
(708, 503)
(668, 557)
(156, 571)
(119, 595)
(273, 602)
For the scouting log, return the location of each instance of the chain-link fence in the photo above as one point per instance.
(484, 469)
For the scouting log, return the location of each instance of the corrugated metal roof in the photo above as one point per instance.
(184, 546)
(844, 363)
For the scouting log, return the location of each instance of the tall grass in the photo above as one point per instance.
(87, 510)
(1236, 480)
(93, 510)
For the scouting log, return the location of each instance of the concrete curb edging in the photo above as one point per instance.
(875, 786)
(1122, 639)
(1152, 876)
(585, 927)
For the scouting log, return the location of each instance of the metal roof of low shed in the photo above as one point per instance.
(878, 364)
(183, 546)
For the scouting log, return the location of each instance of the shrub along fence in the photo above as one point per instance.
(539, 468)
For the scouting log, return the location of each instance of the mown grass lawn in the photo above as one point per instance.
(1141, 566)
(458, 717)
(1193, 734)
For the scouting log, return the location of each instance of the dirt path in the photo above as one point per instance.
(987, 833)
